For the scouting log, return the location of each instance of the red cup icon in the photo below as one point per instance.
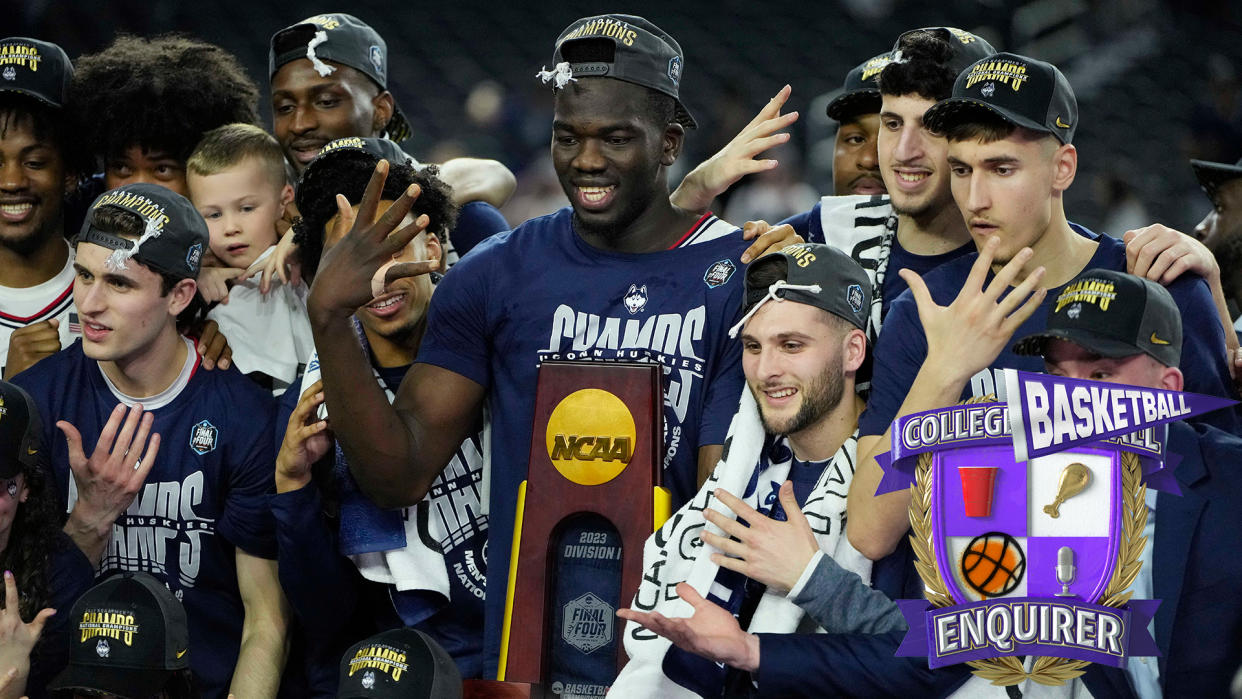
(977, 487)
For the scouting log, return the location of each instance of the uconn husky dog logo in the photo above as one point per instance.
(636, 298)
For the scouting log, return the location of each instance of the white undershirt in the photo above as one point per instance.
(165, 396)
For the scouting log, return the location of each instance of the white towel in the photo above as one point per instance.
(675, 553)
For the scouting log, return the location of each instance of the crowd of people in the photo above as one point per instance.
(268, 394)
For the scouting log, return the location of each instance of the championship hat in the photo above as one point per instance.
(381, 148)
(36, 69)
(129, 637)
(966, 47)
(817, 275)
(20, 431)
(175, 233)
(1212, 175)
(1113, 314)
(343, 39)
(1022, 91)
(861, 92)
(637, 51)
(399, 664)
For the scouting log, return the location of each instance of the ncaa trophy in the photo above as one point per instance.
(591, 498)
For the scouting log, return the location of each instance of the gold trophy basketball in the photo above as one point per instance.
(1074, 479)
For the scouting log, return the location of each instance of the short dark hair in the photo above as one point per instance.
(118, 221)
(161, 94)
(347, 172)
(923, 69)
(661, 108)
(48, 125)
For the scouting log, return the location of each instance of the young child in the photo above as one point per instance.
(236, 177)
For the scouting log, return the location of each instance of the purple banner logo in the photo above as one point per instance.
(1048, 413)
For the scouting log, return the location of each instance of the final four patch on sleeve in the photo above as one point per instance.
(719, 273)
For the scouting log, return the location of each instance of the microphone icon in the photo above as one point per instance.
(1065, 571)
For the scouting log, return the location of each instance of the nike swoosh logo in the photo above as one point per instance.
(182, 653)
(1157, 341)
(31, 452)
(1063, 125)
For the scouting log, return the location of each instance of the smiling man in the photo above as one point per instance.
(192, 508)
(1009, 128)
(329, 80)
(619, 275)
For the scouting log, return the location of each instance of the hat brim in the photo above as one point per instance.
(126, 683)
(32, 95)
(946, 114)
(850, 104)
(1037, 345)
(1212, 175)
(682, 116)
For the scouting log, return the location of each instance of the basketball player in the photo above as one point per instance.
(1011, 154)
(623, 256)
(191, 508)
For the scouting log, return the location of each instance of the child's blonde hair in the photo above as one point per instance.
(226, 146)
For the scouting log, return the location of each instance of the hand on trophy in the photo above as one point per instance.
(711, 631)
(771, 551)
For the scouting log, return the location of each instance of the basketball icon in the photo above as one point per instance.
(993, 564)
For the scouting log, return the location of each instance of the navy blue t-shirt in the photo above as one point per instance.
(206, 496)
(902, 346)
(540, 293)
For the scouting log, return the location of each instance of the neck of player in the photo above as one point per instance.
(390, 352)
(1060, 251)
(659, 226)
(149, 372)
(820, 441)
(20, 270)
(934, 233)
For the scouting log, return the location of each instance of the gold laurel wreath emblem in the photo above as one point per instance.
(1049, 671)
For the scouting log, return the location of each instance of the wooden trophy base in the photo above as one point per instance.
(493, 689)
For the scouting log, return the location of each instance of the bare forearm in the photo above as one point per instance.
(376, 441)
(877, 522)
(91, 534)
(1222, 310)
(260, 663)
(692, 194)
(474, 179)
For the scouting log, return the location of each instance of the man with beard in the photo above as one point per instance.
(620, 275)
(776, 544)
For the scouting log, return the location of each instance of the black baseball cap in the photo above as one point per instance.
(36, 69)
(381, 148)
(175, 234)
(129, 637)
(21, 431)
(1022, 91)
(1212, 175)
(966, 47)
(343, 39)
(642, 54)
(1113, 314)
(861, 92)
(844, 289)
(399, 664)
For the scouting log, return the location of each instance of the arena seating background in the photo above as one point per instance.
(1146, 72)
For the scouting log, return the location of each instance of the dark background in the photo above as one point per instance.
(1157, 82)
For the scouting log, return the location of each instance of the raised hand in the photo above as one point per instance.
(711, 631)
(307, 440)
(343, 282)
(739, 157)
(214, 283)
(109, 479)
(773, 552)
(768, 239)
(16, 639)
(30, 344)
(967, 335)
(284, 263)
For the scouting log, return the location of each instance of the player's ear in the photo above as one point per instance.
(855, 350)
(1171, 378)
(286, 195)
(435, 251)
(1065, 166)
(674, 139)
(181, 295)
(385, 106)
